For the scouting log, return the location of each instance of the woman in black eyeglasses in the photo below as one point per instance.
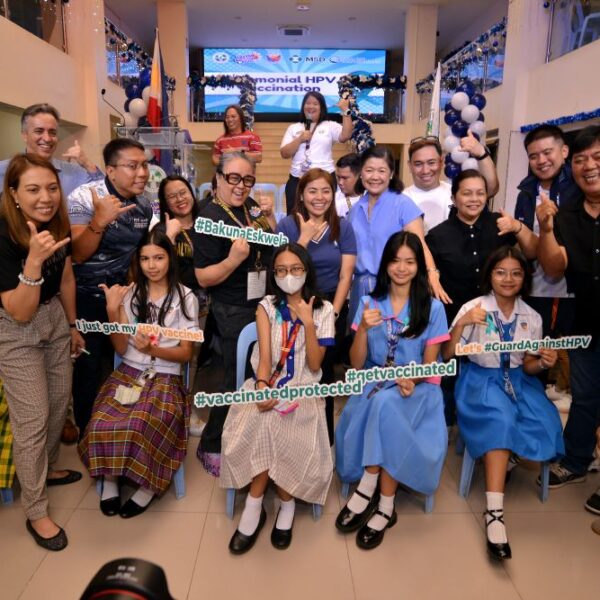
(234, 275)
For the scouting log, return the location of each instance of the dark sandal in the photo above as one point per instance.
(55, 543)
(498, 551)
(70, 477)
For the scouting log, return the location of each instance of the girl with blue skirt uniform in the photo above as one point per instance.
(394, 432)
(501, 405)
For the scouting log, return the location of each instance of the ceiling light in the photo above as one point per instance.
(302, 7)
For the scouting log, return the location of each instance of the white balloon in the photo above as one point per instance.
(451, 142)
(469, 113)
(458, 101)
(130, 120)
(470, 163)
(479, 128)
(138, 108)
(459, 156)
(149, 154)
(146, 94)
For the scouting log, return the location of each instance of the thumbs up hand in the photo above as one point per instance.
(371, 317)
(545, 213)
(507, 224)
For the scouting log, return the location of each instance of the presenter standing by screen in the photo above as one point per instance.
(309, 143)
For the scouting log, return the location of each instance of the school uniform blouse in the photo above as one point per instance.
(527, 326)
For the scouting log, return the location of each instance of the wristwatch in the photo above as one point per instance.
(484, 155)
(347, 112)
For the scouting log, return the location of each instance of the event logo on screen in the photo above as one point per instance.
(284, 75)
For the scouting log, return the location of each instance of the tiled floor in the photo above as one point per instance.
(435, 556)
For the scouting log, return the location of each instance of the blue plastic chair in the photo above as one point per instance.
(179, 477)
(247, 336)
(281, 204)
(468, 466)
(429, 500)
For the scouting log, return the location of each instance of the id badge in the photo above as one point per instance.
(257, 284)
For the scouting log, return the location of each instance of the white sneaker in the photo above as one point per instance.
(197, 425)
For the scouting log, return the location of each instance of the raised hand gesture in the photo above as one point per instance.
(107, 209)
(545, 213)
(475, 316)
(173, 227)
(265, 203)
(507, 224)
(304, 310)
(310, 230)
(42, 245)
(343, 104)
(239, 251)
(371, 317)
(114, 295)
(470, 144)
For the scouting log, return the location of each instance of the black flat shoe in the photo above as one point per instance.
(281, 538)
(497, 551)
(131, 509)
(348, 521)
(240, 543)
(70, 477)
(368, 538)
(111, 506)
(55, 543)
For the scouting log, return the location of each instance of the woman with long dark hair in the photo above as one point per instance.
(309, 143)
(237, 137)
(139, 425)
(381, 211)
(394, 432)
(282, 441)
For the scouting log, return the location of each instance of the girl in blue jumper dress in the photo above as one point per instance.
(501, 405)
(395, 430)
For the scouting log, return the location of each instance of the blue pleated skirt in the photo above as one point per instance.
(405, 436)
(489, 419)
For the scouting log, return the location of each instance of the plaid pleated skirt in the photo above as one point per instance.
(7, 466)
(144, 442)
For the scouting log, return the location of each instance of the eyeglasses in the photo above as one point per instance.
(134, 167)
(281, 272)
(235, 178)
(180, 194)
(504, 274)
(434, 140)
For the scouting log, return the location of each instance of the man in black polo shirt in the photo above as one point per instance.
(108, 218)
(570, 245)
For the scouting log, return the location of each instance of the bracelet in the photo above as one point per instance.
(260, 381)
(520, 228)
(483, 156)
(93, 230)
(28, 281)
(433, 270)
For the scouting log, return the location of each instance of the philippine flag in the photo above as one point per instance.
(158, 109)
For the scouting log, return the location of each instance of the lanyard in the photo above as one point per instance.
(232, 216)
(348, 202)
(285, 350)
(505, 356)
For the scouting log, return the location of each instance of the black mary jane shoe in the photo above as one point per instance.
(368, 538)
(240, 543)
(132, 509)
(281, 538)
(497, 551)
(70, 477)
(55, 543)
(348, 521)
(111, 506)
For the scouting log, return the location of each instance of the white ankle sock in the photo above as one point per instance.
(251, 515)
(386, 506)
(285, 518)
(110, 488)
(142, 496)
(367, 486)
(496, 532)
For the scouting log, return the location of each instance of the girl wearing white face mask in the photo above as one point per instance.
(284, 442)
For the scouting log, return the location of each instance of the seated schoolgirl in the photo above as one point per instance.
(394, 432)
(139, 426)
(285, 443)
(501, 405)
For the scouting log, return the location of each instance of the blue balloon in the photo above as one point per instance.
(448, 158)
(481, 117)
(479, 101)
(144, 78)
(460, 128)
(451, 116)
(126, 105)
(476, 136)
(448, 106)
(133, 90)
(467, 87)
(452, 170)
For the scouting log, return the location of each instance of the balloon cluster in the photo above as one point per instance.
(463, 114)
(136, 105)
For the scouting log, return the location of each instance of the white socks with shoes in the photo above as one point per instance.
(386, 506)
(110, 487)
(251, 515)
(285, 518)
(367, 485)
(142, 496)
(496, 531)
